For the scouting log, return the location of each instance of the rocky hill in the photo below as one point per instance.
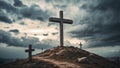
(63, 57)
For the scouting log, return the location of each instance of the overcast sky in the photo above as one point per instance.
(96, 24)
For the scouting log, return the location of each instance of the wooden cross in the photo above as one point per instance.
(80, 45)
(61, 20)
(30, 52)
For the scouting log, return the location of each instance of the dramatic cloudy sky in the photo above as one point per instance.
(96, 24)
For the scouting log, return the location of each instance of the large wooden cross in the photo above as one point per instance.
(30, 52)
(61, 20)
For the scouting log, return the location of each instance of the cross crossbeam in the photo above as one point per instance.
(61, 20)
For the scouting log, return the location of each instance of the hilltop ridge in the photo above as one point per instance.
(63, 57)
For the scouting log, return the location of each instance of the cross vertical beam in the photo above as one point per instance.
(61, 20)
(61, 29)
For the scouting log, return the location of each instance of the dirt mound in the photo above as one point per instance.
(77, 56)
(64, 53)
(63, 57)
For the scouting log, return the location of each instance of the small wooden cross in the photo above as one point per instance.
(61, 20)
(80, 45)
(30, 52)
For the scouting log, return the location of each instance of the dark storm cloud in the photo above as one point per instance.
(3, 16)
(45, 34)
(6, 6)
(18, 3)
(34, 12)
(6, 37)
(14, 31)
(5, 19)
(19, 11)
(102, 24)
(55, 33)
(111, 4)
